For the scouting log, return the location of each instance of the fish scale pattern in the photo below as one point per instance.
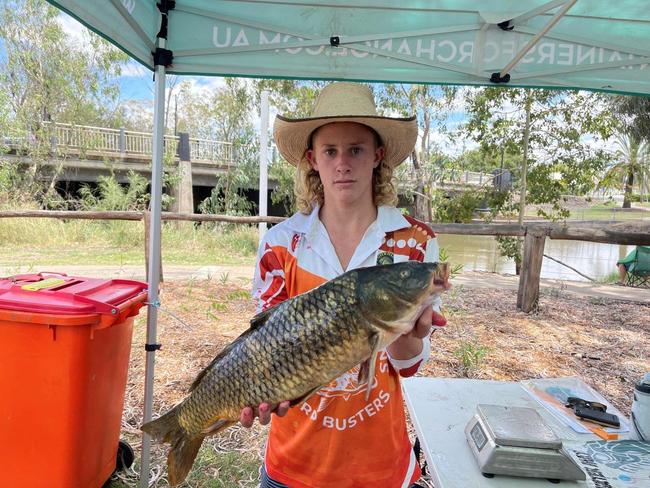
(304, 343)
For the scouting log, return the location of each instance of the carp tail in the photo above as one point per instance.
(184, 448)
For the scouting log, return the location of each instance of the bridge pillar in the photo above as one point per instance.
(182, 192)
(122, 142)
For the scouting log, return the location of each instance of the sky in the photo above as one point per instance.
(136, 81)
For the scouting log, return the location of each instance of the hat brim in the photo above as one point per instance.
(398, 135)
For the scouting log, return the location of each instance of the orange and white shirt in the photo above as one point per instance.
(337, 438)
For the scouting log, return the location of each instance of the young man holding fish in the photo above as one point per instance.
(350, 433)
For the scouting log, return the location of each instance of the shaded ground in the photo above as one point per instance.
(603, 341)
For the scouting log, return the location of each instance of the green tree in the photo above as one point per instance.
(634, 113)
(431, 104)
(553, 133)
(223, 114)
(545, 128)
(487, 159)
(295, 98)
(111, 195)
(47, 76)
(283, 174)
(631, 164)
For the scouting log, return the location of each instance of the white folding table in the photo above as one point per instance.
(440, 408)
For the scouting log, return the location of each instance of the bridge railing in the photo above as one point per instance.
(209, 150)
(103, 141)
(451, 178)
(473, 178)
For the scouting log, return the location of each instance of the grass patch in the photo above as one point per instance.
(216, 469)
(606, 212)
(37, 242)
(212, 468)
(610, 278)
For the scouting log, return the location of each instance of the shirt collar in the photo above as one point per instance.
(390, 219)
(303, 223)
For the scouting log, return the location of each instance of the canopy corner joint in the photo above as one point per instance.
(497, 78)
(166, 5)
(506, 25)
(162, 57)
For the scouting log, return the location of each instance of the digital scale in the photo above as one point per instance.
(515, 441)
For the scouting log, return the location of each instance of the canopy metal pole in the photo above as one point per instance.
(154, 258)
(264, 160)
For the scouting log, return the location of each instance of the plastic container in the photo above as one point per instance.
(64, 356)
(641, 409)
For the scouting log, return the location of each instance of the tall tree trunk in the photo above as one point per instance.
(421, 205)
(524, 173)
(629, 183)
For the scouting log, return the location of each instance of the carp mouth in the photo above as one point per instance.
(440, 279)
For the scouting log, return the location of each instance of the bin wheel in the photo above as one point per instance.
(125, 456)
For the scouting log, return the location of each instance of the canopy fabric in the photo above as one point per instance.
(590, 44)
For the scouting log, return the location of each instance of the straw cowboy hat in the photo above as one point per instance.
(345, 102)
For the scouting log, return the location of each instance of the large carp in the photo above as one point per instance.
(298, 346)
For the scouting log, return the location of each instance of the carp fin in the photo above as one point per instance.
(181, 458)
(183, 447)
(367, 368)
(217, 427)
(362, 377)
(260, 319)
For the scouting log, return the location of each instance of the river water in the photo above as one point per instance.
(481, 253)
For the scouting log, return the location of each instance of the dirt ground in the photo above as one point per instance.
(604, 342)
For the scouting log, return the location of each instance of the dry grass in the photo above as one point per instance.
(603, 342)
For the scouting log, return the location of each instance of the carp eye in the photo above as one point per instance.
(404, 274)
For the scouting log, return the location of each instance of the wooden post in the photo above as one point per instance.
(147, 224)
(531, 267)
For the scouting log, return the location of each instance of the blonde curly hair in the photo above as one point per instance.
(308, 187)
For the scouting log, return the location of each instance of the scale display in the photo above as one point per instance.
(478, 436)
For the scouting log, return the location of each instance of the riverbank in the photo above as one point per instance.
(601, 340)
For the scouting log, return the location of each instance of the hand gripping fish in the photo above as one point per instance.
(293, 349)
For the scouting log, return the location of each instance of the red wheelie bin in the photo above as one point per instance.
(64, 354)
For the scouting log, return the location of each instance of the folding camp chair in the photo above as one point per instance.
(638, 272)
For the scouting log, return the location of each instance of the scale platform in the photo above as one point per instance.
(515, 441)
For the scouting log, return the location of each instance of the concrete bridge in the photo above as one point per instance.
(83, 153)
(79, 154)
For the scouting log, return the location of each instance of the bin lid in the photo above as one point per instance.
(59, 294)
